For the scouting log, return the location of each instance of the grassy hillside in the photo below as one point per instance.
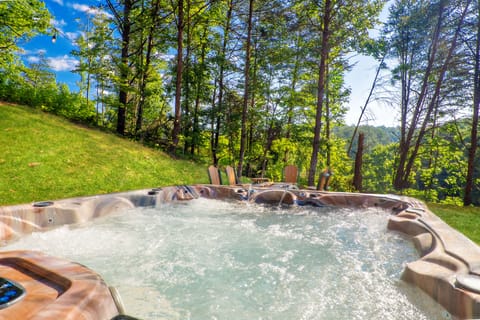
(45, 157)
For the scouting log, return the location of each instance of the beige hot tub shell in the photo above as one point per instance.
(448, 268)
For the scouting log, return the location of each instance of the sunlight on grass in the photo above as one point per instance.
(464, 219)
(46, 157)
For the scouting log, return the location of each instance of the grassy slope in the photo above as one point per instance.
(45, 157)
(464, 219)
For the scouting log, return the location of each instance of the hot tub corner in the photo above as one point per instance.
(448, 268)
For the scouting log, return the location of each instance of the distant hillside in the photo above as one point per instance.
(373, 135)
(46, 157)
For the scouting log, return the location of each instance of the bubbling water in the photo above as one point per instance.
(209, 259)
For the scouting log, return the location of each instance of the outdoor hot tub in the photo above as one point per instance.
(445, 264)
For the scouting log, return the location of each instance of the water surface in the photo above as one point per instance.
(208, 259)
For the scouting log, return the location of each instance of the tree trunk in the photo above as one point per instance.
(325, 49)
(357, 176)
(178, 83)
(199, 86)
(145, 72)
(291, 100)
(124, 71)
(327, 119)
(467, 198)
(187, 67)
(243, 134)
(218, 112)
(213, 143)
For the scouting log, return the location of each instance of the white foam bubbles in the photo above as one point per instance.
(207, 259)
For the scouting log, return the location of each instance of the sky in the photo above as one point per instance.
(69, 14)
(360, 81)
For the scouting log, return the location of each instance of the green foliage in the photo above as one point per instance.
(20, 20)
(378, 168)
(439, 170)
(47, 96)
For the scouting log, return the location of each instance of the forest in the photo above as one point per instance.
(260, 84)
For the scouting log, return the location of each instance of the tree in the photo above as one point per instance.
(152, 23)
(427, 93)
(218, 101)
(472, 150)
(124, 23)
(179, 74)
(324, 53)
(338, 24)
(20, 21)
(87, 55)
(246, 93)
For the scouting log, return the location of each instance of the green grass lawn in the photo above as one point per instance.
(45, 157)
(464, 219)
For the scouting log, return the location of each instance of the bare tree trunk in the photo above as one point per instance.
(320, 90)
(357, 176)
(364, 108)
(178, 84)
(243, 135)
(467, 198)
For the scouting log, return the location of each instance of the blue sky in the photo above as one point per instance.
(67, 15)
(70, 14)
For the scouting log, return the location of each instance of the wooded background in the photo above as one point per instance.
(260, 84)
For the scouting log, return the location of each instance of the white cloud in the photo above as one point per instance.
(58, 23)
(62, 63)
(36, 52)
(89, 10)
(33, 59)
(72, 36)
(60, 2)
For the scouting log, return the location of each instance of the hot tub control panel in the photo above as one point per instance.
(10, 292)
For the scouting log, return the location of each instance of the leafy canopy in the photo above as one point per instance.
(20, 20)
